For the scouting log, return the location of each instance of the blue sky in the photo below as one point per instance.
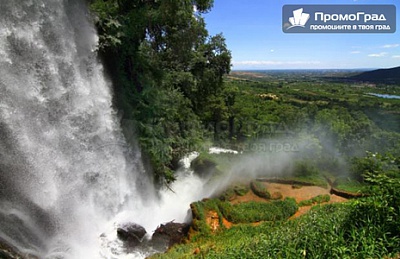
(253, 32)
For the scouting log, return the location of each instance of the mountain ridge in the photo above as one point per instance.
(385, 75)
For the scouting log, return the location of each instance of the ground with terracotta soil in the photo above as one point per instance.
(302, 193)
(299, 193)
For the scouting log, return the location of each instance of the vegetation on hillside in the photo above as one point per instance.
(170, 78)
(167, 73)
(173, 80)
(363, 228)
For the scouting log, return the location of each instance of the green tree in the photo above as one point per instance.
(167, 72)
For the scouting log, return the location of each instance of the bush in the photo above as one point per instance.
(260, 190)
(241, 190)
(233, 191)
(249, 212)
(304, 169)
(315, 200)
(199, 212)
(350, 185)
(276, 196)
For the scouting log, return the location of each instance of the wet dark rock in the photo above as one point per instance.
(171, 233)
(131, 233)
(8, 252)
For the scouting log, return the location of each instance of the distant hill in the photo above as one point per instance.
(390, 75)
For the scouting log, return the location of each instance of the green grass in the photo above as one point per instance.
(246, 212)
(259, 189)
(249, 212)
(241, 189)
(234, 191)
(367, 227)
(223, 161)
(315, 200)
(328, 231)
(315, 180)
(199, 210)
(349, 185)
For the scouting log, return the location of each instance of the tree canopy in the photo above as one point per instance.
(168, 72)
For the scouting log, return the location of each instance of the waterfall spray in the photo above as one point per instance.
(68, 177)
(64, 172)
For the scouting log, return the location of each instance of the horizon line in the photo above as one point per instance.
(258, 69)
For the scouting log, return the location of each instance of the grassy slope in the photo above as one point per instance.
(325, 232)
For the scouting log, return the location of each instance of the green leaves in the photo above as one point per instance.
(167, 127)
(164, 68)
(203, 5)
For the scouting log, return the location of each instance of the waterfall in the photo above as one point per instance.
(68, 179)
(65, 172)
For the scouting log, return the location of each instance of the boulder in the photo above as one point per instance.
(131, 233)
(203, 167)
(171, 233)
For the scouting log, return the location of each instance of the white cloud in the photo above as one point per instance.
(396, 56)
(272, 62)
(388, 46)
(355, 52)
(378, 55)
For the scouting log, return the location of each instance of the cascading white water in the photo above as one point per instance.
(65, 172)
(67, 176)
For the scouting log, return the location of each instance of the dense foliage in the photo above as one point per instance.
(170, 78)
(340, 124)
(167, 72)
(322, 124)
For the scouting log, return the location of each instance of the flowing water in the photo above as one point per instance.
(67, 178)
(387, 96)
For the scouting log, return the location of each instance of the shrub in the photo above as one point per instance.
(349, 185)
(249, 212)
(315, 200)
(241, 190)
(260, 190)
(276, 196)
(233, 191)
(304, 168)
